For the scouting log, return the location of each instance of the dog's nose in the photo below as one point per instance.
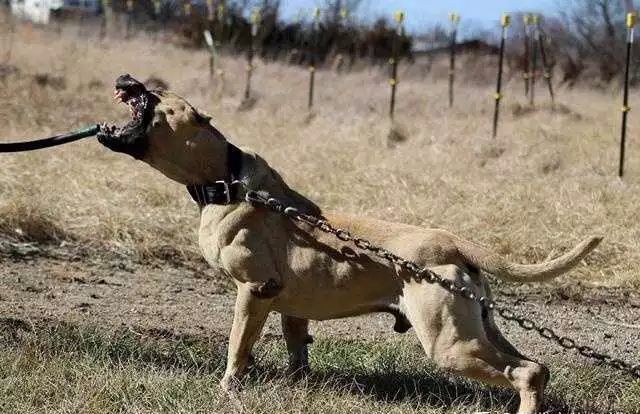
(127, 81)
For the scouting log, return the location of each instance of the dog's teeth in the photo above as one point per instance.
(119, 95)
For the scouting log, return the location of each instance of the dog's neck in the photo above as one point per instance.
(258, 175)
(198, 157)
(208, 161)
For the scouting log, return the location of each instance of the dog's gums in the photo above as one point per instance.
(130, 138)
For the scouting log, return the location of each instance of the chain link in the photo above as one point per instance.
(424, 274)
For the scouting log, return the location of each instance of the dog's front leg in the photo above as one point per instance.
(296, 334)
(248, 319)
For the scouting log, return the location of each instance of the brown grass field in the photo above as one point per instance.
(547, 181)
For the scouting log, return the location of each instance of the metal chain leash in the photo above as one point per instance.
(424, 274)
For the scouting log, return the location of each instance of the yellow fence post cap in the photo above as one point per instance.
(454, 17)
(255, 16)
(399, 16)
(632, 18)
(505, 20)
(535, 19)
(316, 13)
(344, 13)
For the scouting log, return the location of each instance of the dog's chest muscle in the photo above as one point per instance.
(218, 226)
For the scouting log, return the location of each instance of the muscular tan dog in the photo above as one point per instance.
(281, 265)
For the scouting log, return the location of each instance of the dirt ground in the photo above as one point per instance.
(69, 283)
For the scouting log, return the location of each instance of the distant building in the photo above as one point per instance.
(41, 11)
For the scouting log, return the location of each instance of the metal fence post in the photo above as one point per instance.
(505, 22)
(129, 18)
(107, 18)
(255, 24)
(631, 23)
(187, 8)
(208, 38)
(526, 19)
(545, 66)
(454, 18)
(157, 8)
(221, 15)
(393, 79)
(314, 50)
(535, 20)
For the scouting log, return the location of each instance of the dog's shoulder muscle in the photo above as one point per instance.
(262, 172)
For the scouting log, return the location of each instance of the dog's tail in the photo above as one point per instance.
(495, 264)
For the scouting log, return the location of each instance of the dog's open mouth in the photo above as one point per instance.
(130, 137)
(133, 94)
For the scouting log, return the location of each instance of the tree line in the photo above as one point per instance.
(334, 35)
(585, 38)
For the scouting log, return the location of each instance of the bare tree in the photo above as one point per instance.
(594, 33)
(335, 7)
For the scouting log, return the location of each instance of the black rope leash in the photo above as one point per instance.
(50, 141)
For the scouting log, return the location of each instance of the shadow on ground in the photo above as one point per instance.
(436, 390)
(424, 386)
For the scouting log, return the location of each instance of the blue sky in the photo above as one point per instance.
(425, 12)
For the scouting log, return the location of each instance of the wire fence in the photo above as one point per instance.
(324, 36)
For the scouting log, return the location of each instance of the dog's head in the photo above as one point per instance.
(166, 132)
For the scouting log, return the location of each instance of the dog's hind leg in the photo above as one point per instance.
(491, 329)
(451, 331)
(296, 335)
(249, 317)
(480, 360)
(499, 341)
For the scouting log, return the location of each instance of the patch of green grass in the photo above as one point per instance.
(63, 368)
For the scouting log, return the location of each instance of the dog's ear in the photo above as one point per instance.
(201, 117)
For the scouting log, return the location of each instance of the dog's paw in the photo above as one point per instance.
(231, 385)
(232, 388)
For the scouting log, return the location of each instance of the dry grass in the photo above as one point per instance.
(546, 182)
(62, 368)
